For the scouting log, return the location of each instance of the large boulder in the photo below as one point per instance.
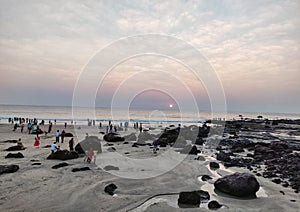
(238, 184)
(8, 168)
(170, 135)
(110, 189)
(89, 142)
(62, 155)
(144, 136)
(14, 155)
(189, 198)
(68, 135)
(222, 156)
(131, 137)
(15, 148)
(113, 137)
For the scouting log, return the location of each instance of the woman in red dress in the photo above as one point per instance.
(37, 141)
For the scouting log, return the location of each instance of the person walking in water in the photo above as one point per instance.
(57, 134)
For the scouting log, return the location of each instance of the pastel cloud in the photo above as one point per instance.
(252, 45)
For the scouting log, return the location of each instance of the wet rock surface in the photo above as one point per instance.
(8, 169)
(268, 148)
(238, 184)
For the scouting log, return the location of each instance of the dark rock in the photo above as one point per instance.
(15, 155)
(111, 149)
(214, 165)
(9, 141)
(189, 149)
(109, 168)
(277, 180)
(68, 135)
(131, 137)
(89, 142)
(112, 137)
(168, 136)
(8, 169)
(238, 184)
(110, 189)
(62, 155)
(134, 145)
(36, 164)
(201, 158)
(15, 148)
(199, 141)
(81, 169)
(126, 142)
(206, 178)
(60, 165)
(214, 205)
(222, 156)
(203, 131)
(189, 198)
(47, 146)
(204, 196)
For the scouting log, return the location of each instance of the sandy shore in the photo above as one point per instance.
(41, 188)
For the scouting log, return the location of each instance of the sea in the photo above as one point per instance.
(82, 115)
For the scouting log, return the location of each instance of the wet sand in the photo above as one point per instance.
(41, 188)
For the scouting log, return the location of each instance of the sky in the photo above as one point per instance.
(251, 49)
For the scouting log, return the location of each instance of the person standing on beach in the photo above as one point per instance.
(95, 152)
(155, 145)
(62, 135)
(37, 140)
(141, 127)
(50, 127)
(57, 134)
(65, 125)
(89, 155)
(15, 127)
(22, 127)
(71, 144)
(29, 127)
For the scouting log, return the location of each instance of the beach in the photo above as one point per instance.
(38, 187)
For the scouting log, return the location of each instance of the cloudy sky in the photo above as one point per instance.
(252, 46)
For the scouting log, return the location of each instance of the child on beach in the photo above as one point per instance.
(54, 147)
(90, 155)
(95, 155)
(22, 127)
